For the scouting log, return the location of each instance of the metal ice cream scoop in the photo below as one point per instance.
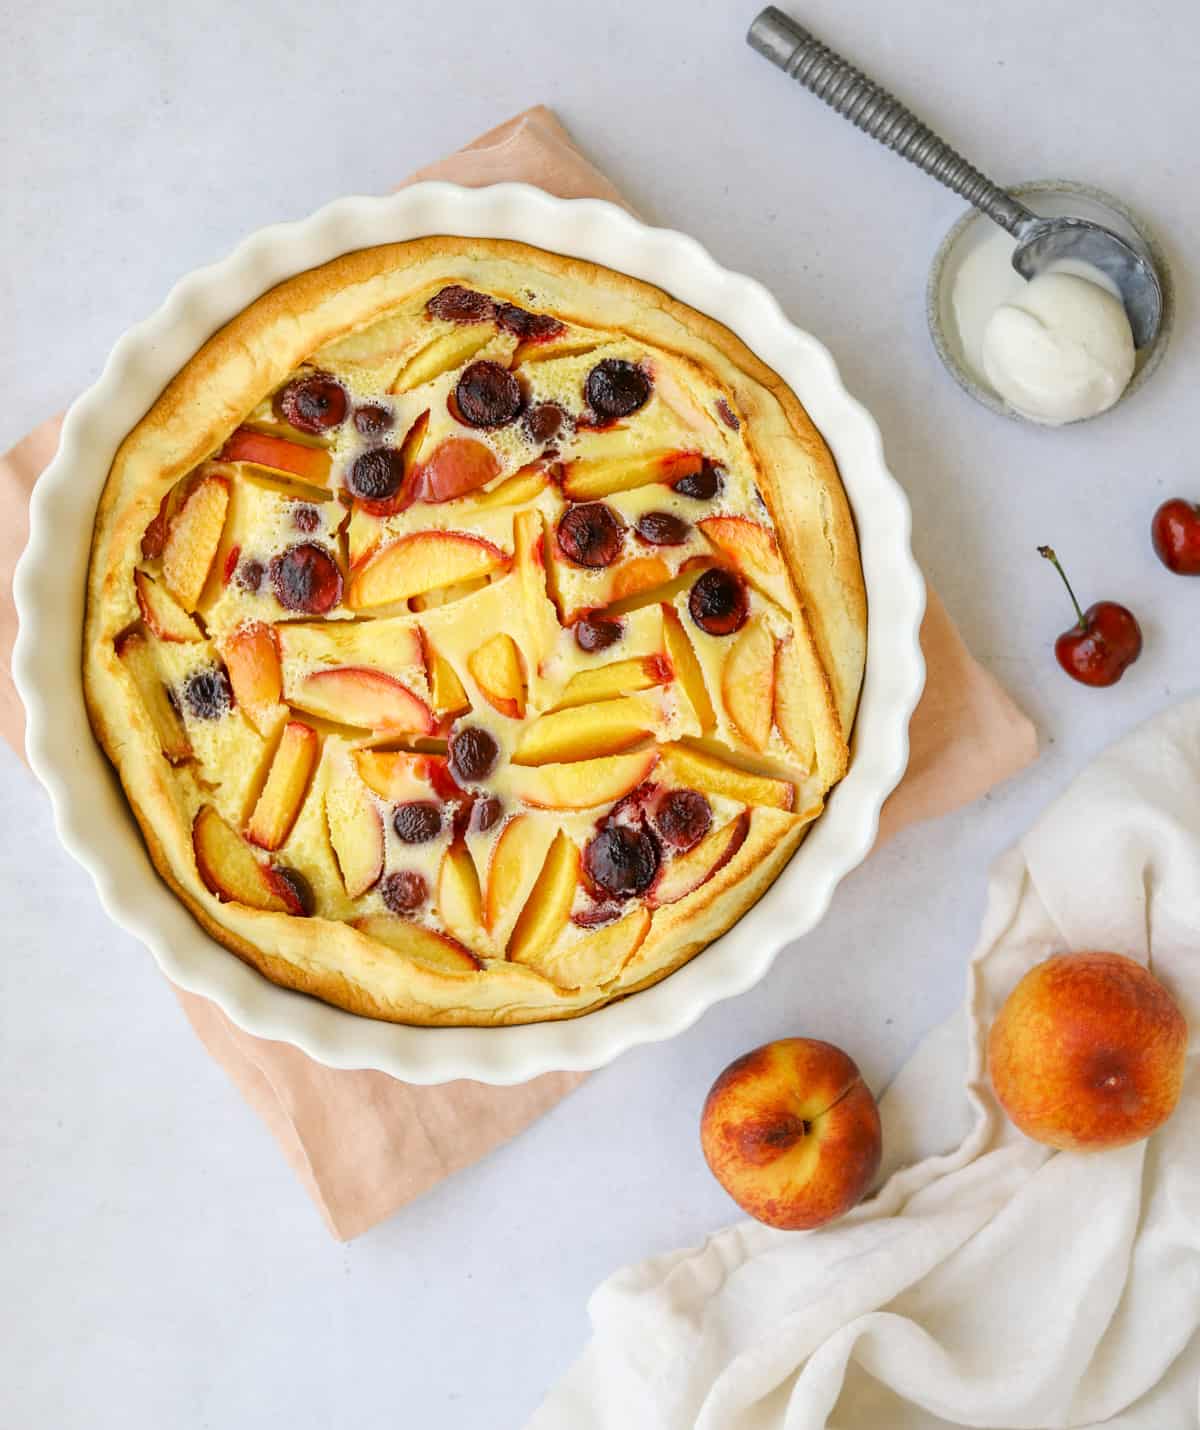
(1040, 241)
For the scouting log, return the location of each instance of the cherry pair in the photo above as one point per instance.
(1106, 639)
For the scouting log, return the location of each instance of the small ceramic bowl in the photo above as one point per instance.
(1052, 197)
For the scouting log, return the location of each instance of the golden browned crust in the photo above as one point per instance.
(244, 362)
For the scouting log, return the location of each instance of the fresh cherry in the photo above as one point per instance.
(207, 694)
(376, 475)
(1103, 644)
(597, 634)
(418, 821)
(621, 860)
(719, 602)
(529, 327)
(702, 485)
(306, 578)
(683, 818)
(473, 754)
(663, 528)
(591, 534)
(373, 420)
(615, 388)
(315, 403)
(1176, 534)
(543, 422)
(461, 305)
(486, 813)
(488, 395)
(404, 891)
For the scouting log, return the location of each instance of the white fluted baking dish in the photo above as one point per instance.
(92, 816)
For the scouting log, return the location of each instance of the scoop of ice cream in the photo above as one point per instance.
(1062, 352)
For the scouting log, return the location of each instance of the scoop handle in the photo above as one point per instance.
(878, 113)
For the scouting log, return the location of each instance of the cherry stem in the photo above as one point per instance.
(1048, 553)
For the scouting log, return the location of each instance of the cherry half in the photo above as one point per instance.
(719, 602)
(621, 861)
(615, 388)
(488, 395)
(591, 534)
(306, 578)
(456, 304)
(313, 404)
(404, 891)
(473, 754)
(1103, 644)
(1175, 532)
(597, 633)
(702, 485)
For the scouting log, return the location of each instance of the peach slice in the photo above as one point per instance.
(536, 350)
(530, 562)
(548, 906)
(192, 539)
(445, 353)
(355, 828)
(415, 941)
(753, 550)
(252, 660)
(421, 562)
(687, 669)
(228, 867)
(584, 784)
(445, 689)
(459, 901)
(597, 955)
(135, 654)
(394, 642)
(591, 479)
(400, 775)
(687, 872)
(369, 699)
(456, 467)
(621, 677)
(517, 856)
(161, 612)
(283, 794)
(523, 486)
(683, 580)
(584, 732)
(632, 578)
(695, 769)
(792, 719)
(277, 454)
(748, 683)
(496, 668)
(444, 595)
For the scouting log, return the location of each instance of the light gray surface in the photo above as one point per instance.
(161, 1264)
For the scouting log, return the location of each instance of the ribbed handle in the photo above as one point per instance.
(876, 112)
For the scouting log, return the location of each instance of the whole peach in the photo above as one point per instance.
(1088, 1052)
(792, 1133)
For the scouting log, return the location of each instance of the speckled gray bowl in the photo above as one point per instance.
(1051, 196)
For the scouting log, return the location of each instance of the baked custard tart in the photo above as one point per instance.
(475, 632)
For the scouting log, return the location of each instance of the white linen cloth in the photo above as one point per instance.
(996, 1285)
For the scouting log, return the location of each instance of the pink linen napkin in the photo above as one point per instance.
(362, 1143)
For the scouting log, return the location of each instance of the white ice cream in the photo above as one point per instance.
(1061, 350)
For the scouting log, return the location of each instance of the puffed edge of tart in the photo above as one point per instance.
(299, 317)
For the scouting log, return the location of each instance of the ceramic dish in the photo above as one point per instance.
(1053, 197)
(93, 819)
